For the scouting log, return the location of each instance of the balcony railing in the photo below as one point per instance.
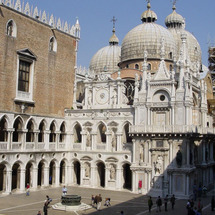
(170, 129)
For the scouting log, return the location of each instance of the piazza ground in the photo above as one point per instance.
(131, 204)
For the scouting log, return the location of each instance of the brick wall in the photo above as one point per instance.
(54, 72)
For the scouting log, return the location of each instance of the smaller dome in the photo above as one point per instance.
(149, 15)
(107, 58)
(114, 39)
(174, 19)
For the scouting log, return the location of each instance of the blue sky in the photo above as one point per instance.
(96, 26)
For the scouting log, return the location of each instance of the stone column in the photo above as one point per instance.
(203, 151)
(188, 152)
(82, 173)
(170, 183)
(69, 178)
(94, 176)
(34, 178)
(170, 151)
(134, 182)
(22, 180)
(36, 134)
(83, 142)
(68, 141)
(23, 139)
(187, 184)
(57, 139)
(119, 141)
(106, 176)
(10, 138)
(108, 141)
(46, 139)
(57, 176)
(211, 151)
(8, 181)
(46, 176)
(134, 150)
(119, 173)
(94, 140)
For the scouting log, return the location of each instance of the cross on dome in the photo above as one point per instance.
(114, 21)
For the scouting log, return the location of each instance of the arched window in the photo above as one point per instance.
(17, 130)
(52, 136)
(127, 66)
(3, 130)
(77, 133)
(11, 28)
(53, 44)
(136, 66)
(62, 133)
(149, 67)
(170, 55)
(126, 137)
(30, 132)
(101, 133)
(170, 67)
(41, 133)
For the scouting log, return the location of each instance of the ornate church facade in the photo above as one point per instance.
(137, 119)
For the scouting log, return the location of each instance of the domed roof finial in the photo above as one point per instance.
(173, 4)
(113, 40)
(148, 15)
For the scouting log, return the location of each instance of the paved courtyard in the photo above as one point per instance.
(131, 204)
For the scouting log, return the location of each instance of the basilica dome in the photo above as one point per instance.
(107, 58)
(176, 25)
(147, 37)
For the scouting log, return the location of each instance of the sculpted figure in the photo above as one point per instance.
(88, 140)
(179, 158)
(87, 170)
(113, 140)
(112, 172)
(158, 164)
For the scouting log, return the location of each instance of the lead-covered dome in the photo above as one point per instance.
(176, 25)
(107, 58)
(147, 37)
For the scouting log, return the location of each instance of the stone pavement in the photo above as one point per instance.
(131, 204)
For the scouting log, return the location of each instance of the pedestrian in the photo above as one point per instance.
(199, 206)
(39, 213)
(159, 203)
(172, 200)
(48, 200)
(204, 190)
(45, 209)
(64, 191)
(212, 203)
(92, 200)
(95, 200)
(28, 189)
(165, 202)
(200, 191)
(99, 202)
(150, 203)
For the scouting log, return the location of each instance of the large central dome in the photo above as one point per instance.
(147, 37)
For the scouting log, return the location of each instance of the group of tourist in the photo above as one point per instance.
(159, 202)
(96, 201)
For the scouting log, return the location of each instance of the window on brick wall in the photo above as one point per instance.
(11, 29)
(25, 73)
(53, 44)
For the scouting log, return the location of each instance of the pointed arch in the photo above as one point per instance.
(3, 129)
(62, 132)
(17, 126)
(52, 135)
(30, 133)
(11, 28)
(101, 133)
(53, 44)
(77, 133)
(42, 128)
(125, 133)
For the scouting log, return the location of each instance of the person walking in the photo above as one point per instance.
(159, 203)
(28, 189)
(172, 200)
(165, 202)
(150, 203)
(212, 203)
(39, 213)
(92, 200)
(45, 209)
(99, 202)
